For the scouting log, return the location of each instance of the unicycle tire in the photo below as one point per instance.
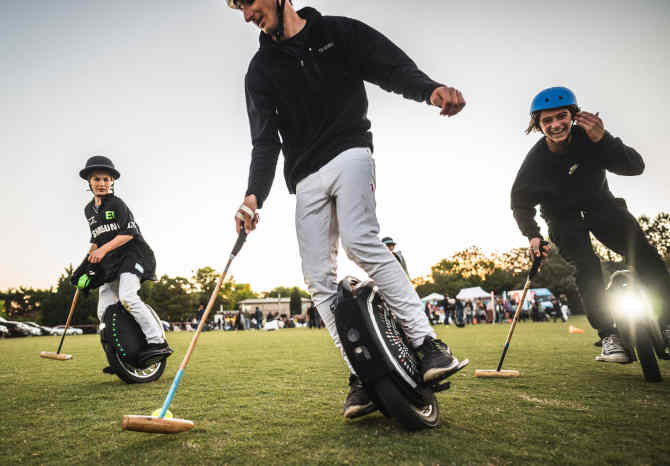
(646, 354)
(131, 374)
(408, 414)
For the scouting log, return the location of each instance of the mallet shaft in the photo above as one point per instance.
(69, 318)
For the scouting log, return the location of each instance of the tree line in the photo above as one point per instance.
(176, 299)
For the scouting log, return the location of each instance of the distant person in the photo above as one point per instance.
(258, 315)
(390, 244)
(565, 173)
(120, 252)
(200, 313)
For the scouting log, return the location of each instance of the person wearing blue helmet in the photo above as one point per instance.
(565, 173)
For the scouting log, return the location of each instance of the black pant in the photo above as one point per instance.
(617, 229)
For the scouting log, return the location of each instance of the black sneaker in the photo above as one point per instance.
(153, 353)
(437, 362)
(108, 370)
(357, 403)
(614, 351)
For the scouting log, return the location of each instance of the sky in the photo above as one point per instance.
(157, 86)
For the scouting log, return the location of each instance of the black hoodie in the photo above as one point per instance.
(566, 183)
(309, 89)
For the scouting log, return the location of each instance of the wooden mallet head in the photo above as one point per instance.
(493, 373)
(155, 425)
(57, 356)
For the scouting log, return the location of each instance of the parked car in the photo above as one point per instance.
(4, 331)
(17, 329)
(58, 330)
(41, 328)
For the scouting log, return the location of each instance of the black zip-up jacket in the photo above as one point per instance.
(310, 89)
(112, 218)
(569, 182)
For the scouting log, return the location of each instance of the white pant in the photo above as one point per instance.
(124, 289)
(338, 201)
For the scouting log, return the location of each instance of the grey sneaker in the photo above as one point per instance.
(614, 351)
(357, 403)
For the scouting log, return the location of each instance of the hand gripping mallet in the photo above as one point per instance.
(161, 424)
(57, 355)
(512, 373)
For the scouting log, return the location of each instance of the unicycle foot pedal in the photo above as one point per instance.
(440, 387)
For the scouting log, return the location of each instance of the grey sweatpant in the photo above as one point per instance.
(125, 289)
(338, 202)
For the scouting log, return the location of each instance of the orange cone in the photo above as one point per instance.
(573, 329)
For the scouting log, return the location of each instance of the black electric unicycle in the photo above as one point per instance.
(386, 364)
(636, 324)
(122, 340)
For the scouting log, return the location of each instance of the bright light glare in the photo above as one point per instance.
(630, 305)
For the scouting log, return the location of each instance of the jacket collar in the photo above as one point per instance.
(310, 14)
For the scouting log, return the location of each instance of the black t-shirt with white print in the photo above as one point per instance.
(111, 218)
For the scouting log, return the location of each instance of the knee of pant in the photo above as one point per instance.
(129, 299)
(365, 250)
(320, 281)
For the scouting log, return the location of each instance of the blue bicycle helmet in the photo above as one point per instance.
(553, 97)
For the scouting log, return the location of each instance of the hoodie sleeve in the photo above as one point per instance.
(383, 63)
(617, 157)
(263, 122)
(525, 196)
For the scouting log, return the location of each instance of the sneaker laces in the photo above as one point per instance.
(438, 346)
(611, 344)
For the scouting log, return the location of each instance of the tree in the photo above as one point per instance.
(56, 305)
(284, 291)
(295, 304)
(171, 298)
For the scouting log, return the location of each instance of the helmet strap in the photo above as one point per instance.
(280, 20)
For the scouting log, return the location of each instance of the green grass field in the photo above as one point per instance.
(276, 398)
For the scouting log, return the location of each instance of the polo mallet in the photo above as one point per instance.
(161, 424)
(57, 355)
(512, 373)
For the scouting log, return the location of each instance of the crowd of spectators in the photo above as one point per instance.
(478, 311)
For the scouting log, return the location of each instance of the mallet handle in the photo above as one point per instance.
(531, 274)
(69, 318)
(514, 321)
(175, 383)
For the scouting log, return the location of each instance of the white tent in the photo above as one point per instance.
(433, 297)
(475, 292)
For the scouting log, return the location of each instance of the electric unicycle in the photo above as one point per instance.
(636, 324)
(386, 364)
(122, 340)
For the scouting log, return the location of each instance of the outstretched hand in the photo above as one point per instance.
(592, 124)
(449, 99)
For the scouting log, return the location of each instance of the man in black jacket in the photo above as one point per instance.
(306, 83)
(565, 173)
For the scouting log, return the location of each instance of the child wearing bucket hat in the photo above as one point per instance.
(120, 254)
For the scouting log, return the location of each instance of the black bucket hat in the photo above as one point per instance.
(99, 162)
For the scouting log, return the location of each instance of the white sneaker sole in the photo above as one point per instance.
(440, 372)
(360, 410)
(620, 358)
